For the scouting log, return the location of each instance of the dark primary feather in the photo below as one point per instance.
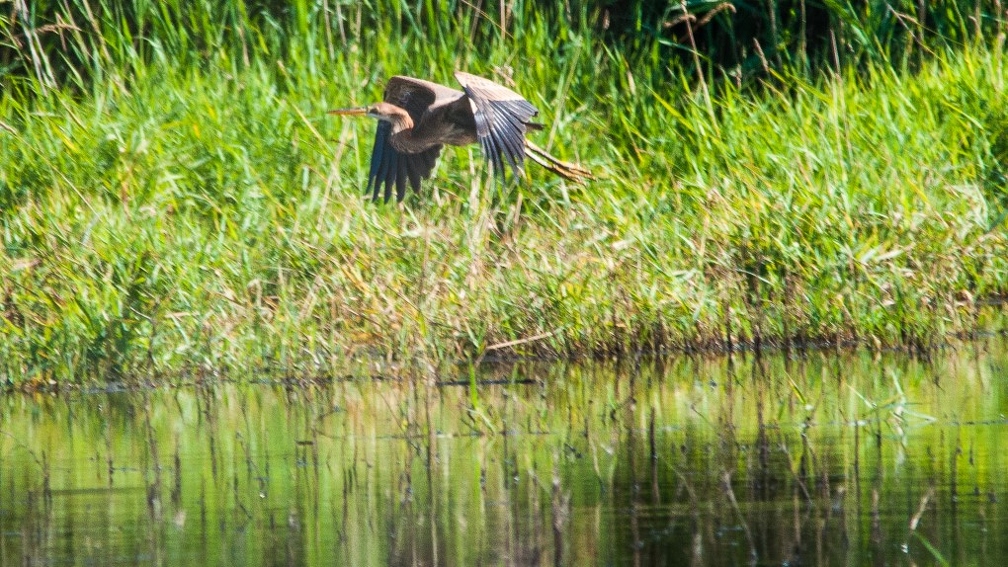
(381, 146)
(391, 167)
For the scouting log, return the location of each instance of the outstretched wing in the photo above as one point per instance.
(389, 166)
(502, 118)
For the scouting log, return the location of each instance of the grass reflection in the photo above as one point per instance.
(814, 459)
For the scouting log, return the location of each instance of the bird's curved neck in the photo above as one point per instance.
(402, 123)
(405, 137)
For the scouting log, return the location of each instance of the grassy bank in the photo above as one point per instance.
(196, 209)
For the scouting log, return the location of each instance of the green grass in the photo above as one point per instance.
(193, 208)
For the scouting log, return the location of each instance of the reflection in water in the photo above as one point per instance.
(816, 460)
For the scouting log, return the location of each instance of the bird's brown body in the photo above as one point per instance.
(417, 118)
(438, 126)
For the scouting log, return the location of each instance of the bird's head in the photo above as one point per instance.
(379, 110)
(399, 118)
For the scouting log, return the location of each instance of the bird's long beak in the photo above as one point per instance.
(355, 111)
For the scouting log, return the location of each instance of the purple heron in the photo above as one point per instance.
(417, 118)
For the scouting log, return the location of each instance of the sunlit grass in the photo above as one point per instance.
(197, 210)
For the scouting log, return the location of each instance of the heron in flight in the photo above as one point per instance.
(417, 118)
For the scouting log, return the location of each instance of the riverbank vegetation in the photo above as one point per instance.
(173, 196)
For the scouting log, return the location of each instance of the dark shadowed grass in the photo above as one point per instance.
(202, 213)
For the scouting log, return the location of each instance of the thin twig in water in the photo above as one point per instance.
(726, 481)
(920, 509)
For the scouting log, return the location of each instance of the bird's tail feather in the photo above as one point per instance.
(570, 171)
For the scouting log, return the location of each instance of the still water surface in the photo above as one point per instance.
(819, 459)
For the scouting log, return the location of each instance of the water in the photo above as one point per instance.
(819, 459)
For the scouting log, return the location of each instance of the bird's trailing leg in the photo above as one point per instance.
(569, 171)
